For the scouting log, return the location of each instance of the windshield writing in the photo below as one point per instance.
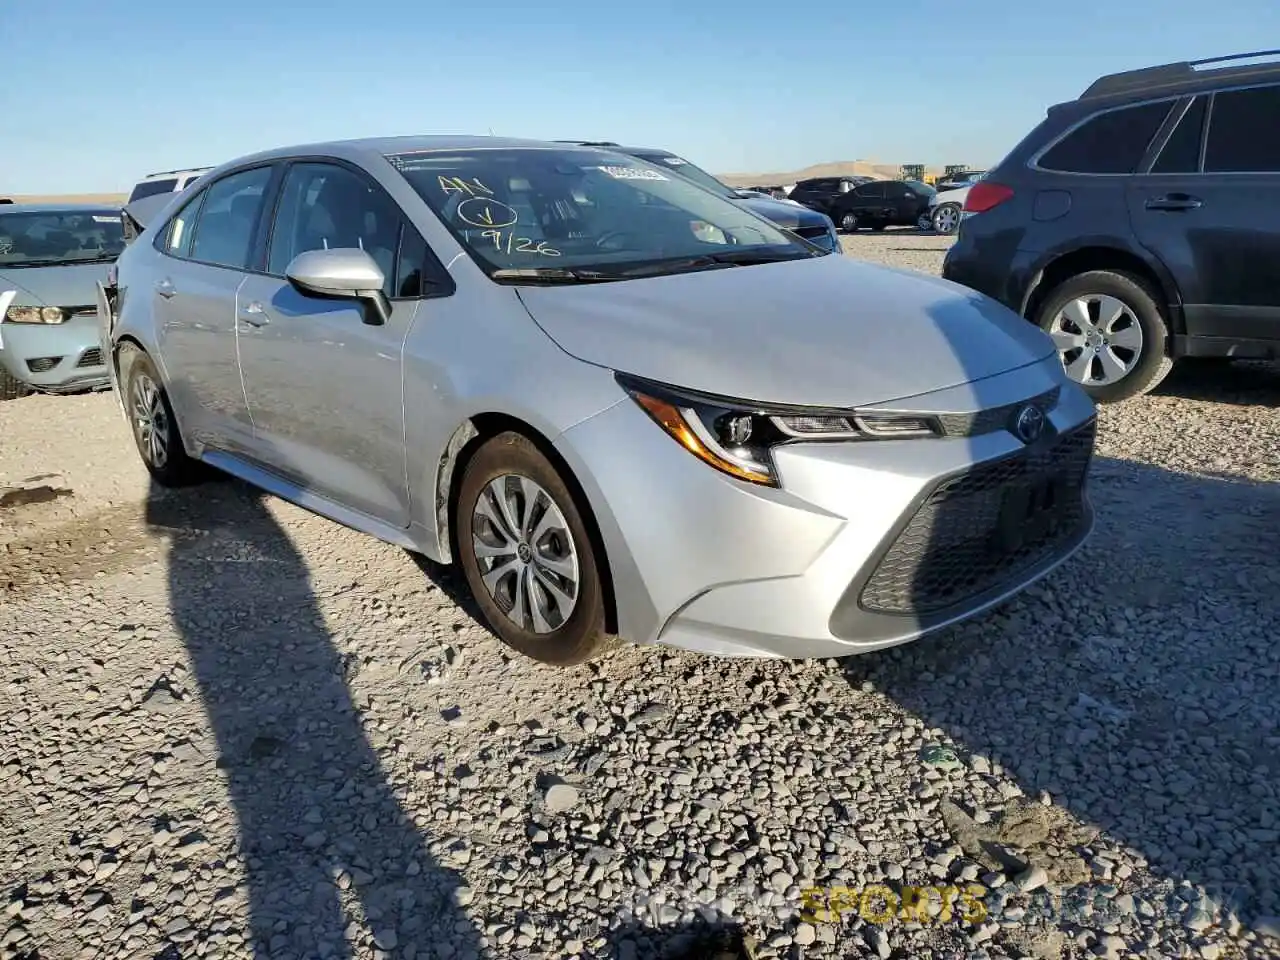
(528, 207)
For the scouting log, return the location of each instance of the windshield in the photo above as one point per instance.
(48, 238)
(530, 214)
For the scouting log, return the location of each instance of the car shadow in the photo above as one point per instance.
(635, 940)
(1239, 383)
(335, 865)
(1135, 687)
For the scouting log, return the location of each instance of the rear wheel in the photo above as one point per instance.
(151, 419)
(1110, 333)
(849, 222)
(527, 554)
(11, 387)
(946, 218)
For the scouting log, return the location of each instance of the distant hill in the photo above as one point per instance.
(836, 168)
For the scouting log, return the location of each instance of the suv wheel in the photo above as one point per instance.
(1110, 333)
(11, 387)
(151, 419)
(849, 222)
(527, 555)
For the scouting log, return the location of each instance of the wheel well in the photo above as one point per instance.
(1098, 258)
(484, 427)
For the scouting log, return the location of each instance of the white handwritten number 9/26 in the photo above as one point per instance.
(514, 244)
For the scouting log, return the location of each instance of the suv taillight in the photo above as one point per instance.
(984, 195)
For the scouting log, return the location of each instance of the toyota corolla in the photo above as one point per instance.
(627, 407)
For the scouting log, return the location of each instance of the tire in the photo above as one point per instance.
(946, 218)
(11, 388)
(144, 398)
(1145, 355)
(849, 222)
(541, 629)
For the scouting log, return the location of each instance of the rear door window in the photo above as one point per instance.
(1242, 132)
(1181, 152)
(870, 191)
(1111, 142)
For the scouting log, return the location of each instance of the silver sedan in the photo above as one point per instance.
(627, 407)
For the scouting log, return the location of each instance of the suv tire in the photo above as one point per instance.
(11, 388)
(1136, 338)
(509, 491)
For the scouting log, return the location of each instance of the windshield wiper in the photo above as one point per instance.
(548, 275)
(746, 258)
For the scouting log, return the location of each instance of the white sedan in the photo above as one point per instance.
(943, 215)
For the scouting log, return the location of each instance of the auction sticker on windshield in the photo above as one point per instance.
(631, 173)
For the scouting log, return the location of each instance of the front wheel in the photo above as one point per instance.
(1110, 334)
(11, 388)
(946, 218)
(527, 554)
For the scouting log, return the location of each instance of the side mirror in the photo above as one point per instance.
(345, 273)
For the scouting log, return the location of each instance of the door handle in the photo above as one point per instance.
(1174, 201)
(165, 288)
(254, 315)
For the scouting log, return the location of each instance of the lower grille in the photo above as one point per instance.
(90, 358)
(42, 364)
(982, 529)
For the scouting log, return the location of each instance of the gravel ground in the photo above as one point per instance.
(229, 728)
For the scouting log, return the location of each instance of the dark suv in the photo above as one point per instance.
(821, 193)
(1137, 224)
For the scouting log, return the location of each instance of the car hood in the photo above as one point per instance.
(786, 215)
(827, 331)
(67, 285)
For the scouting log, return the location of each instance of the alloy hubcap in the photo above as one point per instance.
(946, 220)
(527, 556)
(150, 421)
(1099, 339)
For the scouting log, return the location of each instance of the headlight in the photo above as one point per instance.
(738, 438)
(35, 315)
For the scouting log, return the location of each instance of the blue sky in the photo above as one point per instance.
(99, 93)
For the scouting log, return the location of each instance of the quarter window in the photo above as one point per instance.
(224, 230)
(1111, 142)
(1181, 153)
(326, 206)
(177, 236)
(1242, 132)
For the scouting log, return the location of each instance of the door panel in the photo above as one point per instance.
(324, 392)
(195, 310)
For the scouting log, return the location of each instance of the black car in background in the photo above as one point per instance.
(882, 203)
(812, 226)
(1138, 223)
(820, 193)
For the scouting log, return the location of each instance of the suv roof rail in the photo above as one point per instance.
(1171, 74)
(590, 143)
(167, 173)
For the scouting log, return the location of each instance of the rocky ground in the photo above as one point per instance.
(229, 728)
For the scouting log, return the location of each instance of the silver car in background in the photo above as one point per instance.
(51, 259)
(627, 407)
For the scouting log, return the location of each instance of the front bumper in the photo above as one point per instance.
(866, 545)
(56, 358)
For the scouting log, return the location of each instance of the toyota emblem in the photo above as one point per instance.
(1029, 423)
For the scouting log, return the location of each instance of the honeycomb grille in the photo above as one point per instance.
(974, 532)
(996, 418)
(90, 358)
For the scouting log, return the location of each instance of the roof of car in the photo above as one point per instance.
(369, 147)
(1186, 76)
(57, 208)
